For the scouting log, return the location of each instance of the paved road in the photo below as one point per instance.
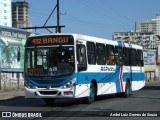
(147, 99)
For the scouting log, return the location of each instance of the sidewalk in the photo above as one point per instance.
(5, 95)
(153, 83)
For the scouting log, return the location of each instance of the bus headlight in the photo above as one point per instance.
(69, 83)
(28, 85)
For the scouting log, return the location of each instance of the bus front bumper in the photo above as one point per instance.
(49, 93)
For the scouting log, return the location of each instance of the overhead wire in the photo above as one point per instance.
(102, 13)
(90, 5)
(83, 22)
(115, 11)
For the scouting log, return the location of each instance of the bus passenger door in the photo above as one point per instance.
(81, 58)
(82, 76)
(119, 68)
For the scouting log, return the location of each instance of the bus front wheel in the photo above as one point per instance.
(92, 94)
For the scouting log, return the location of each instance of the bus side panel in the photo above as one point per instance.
(108, 82)
(138, 78)
(82, 90)
(137, 85)
(106, 88)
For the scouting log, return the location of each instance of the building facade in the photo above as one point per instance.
(146, 39)
(5, 13)
(152, 25)
(12, 41)
(147, 34)
(20, 14)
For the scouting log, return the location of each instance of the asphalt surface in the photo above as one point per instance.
(14, 101)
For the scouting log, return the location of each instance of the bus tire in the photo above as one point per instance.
(92, 94)
(127, 90)
(49, 101)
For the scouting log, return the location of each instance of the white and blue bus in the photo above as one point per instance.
(74, 66)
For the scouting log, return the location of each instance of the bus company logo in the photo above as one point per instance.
(6, 114)
(21, 114)
(105, 68)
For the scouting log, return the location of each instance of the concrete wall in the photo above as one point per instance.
(12, 81)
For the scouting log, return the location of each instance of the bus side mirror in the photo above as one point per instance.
(18, 54)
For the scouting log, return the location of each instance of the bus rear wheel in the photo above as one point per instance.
(127, 90)
(49, 101)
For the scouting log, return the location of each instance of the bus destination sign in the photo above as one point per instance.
(50, 40)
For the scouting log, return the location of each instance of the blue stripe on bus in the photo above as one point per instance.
(85, 78)
(120, 44)
(118, 88)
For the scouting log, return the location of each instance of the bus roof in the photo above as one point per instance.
(90, 38)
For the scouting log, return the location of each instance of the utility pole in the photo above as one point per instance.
(58, 30)
(58, 27)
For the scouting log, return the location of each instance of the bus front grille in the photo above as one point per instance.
(48, 92)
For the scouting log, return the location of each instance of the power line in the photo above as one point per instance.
(101, 12)
(90, 23)
(115, 11)
(58, 27)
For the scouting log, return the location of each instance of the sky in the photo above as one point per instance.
(98, 18)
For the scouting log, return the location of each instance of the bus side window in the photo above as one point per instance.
(100, 54)
(119, 55)
(133, 57)
(81, 57)
(110, 59)
(139, 57)
(126, 56)
(91, 53)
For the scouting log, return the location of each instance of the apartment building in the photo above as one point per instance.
(152, 25)
(5, 13)
(146, 39)
(20, 14)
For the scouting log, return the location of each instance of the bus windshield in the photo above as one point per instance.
(49, 61)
